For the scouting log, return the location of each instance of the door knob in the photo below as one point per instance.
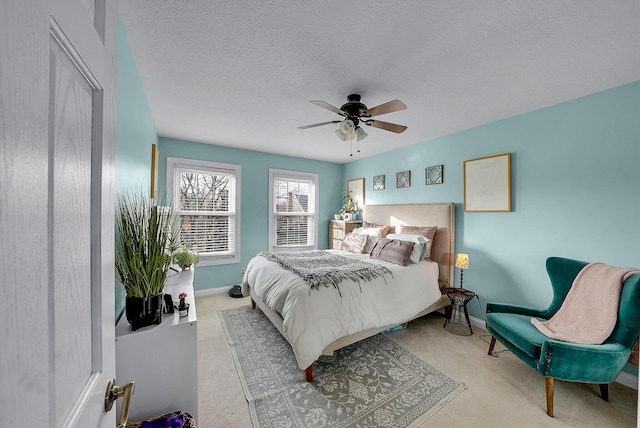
(113, 393)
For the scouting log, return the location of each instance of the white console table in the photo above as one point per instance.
(161, 359)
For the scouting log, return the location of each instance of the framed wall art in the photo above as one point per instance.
(378, 182)
(403, 179)
(155, 170)
(487, 184)
(434, 174)
(356, 191)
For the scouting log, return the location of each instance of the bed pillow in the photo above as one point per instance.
(385, 229)
(427, 231)
(393, 251)
(419, 245)
(373, 235)
(354, 243)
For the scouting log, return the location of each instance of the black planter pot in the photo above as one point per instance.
(144, 311)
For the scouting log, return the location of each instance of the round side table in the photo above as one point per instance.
(457, 321)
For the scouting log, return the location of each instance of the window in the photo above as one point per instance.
(207, 197)
(293, 202)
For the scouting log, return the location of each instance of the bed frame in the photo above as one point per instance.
(441, 215)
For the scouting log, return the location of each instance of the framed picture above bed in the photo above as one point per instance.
(487, 184)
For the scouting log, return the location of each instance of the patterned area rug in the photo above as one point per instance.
(372, 383)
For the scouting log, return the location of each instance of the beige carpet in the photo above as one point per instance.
(500, 392)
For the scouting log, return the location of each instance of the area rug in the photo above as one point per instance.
(372, 383)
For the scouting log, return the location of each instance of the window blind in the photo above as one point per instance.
(207, 209)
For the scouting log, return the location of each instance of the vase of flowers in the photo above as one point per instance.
(183, 306)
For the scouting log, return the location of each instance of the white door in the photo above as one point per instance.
(57, 151)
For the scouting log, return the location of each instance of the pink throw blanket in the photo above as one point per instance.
(590, 310)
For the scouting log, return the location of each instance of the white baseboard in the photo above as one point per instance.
(212, 291)
(623, 378)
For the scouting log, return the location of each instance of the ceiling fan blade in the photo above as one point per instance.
(388, 107)
(318, 124)
(393, 127)
(328, 107)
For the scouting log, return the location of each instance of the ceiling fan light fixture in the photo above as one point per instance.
(346, 126)
(343, 136)
(360, 134)
(346, 130)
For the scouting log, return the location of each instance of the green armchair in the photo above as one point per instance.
(601, 364)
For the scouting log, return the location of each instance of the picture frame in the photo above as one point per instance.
(403, 179)
(355, 188)
(155, 171)
(487, 184)
(378, 182)
(434, 174)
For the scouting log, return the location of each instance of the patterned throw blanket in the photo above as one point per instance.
(320, 268)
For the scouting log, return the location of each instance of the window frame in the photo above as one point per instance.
(294, 176)
(209, 167)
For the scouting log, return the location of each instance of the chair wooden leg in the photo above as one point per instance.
(491, 345)
(253, 304)
(549, 382)
(604, 391)
(308, 373)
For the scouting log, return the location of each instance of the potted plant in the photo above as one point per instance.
(349, 205)
(144, 232)
(185, 257)
(183, 307)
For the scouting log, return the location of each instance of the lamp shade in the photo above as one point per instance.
(462, 261)
(346, 130)
(360, 134)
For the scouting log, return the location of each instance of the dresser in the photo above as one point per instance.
(161, 359)
(337, 231)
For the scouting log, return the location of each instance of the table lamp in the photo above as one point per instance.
(462, 262)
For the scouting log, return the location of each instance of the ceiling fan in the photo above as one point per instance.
(356, 113)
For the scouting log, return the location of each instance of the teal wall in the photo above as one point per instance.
(135, 132)
(575, 192)
(254, 198)
(135, 129)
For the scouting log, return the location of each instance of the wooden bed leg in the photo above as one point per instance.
(549, 383)
(253, 303)
(308, 373)
(491, 345)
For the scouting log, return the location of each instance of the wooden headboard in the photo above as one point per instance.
(441, 215)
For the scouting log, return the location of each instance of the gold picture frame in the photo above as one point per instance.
(356, 191)
(487, 184)
(155, 171)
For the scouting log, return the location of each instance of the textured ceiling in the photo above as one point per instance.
(240, 73)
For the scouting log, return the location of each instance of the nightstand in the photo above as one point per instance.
(457, 321)
(338, 229)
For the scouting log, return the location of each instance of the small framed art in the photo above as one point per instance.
(378, 182)
(403, 179)
(434, 174)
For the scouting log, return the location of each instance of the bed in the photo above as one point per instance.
(319, 321)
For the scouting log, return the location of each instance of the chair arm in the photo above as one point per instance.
(582, 363)
(513, 309)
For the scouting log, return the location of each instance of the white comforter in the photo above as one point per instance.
(315, 318)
